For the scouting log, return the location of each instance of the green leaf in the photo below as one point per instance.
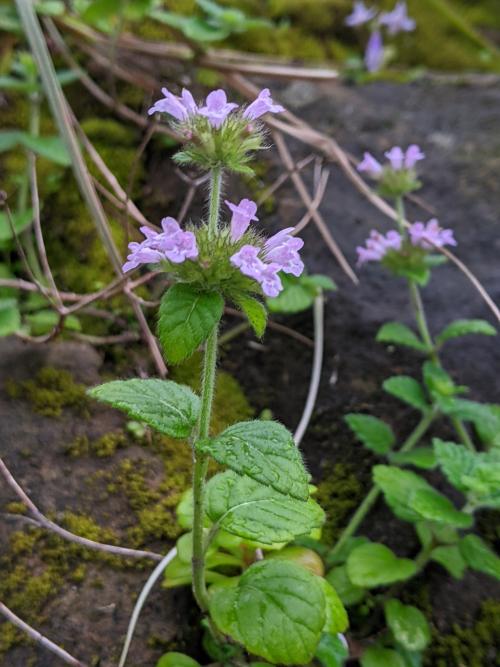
(376, 656)
(455, 461)
(421, 457)
(44, 321)
(346, 590)
(20, 222)
(438, 382)
(337, 557)
(176, 660)
(177, 573)
(331, 651)
(400, 334)
(251, 510)
(433, 506)
(479, 556)
(464, 328)
(408, 625)
(372, 565)
(264, 451)
(166, 406)
(408, 390)
(192, 27)
(10, 318)
(398, 487)
(318, 281)
(185, 510)
(451, 559)
(100, 10)
(51, 148)
(489, 429)
(186, 319)
(336, 615)
(373, 433)
(9, 139)
(276, 610)
(294, 298)
(255, 312)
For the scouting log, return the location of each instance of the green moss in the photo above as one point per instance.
(338, 494)
(15, 508)
(109, 443)
(51, 390)
(476, 646)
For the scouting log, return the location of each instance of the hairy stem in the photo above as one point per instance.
(200, 471)
(215, 191)
(370, 500)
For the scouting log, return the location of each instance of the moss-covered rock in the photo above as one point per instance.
(339, 493)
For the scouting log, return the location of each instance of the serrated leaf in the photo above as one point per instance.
(10, 318)
(331, 651)
(373, 433)
(398, 487)
(464, 328)
(478, 555)
(346, 590)
(400, 334)
(438, 381)
(168, 407)
(174, 659)
(376, 656)
(408, 390)
(186, 319)
(409, 626)
(372, 565)
(336, 616)
(454, 460)
(264, 451)
(276, 610)
(255, 312)
(421, 457)
(489, 429)
(450, 557)
(251, 510)
(433, 506)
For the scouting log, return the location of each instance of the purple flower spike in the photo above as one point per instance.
(283, 249)
(370, 165)
(377, 245)
(243, 214)
(397, 20)
(396, 157)
(413, 155)
(217, 108)
(360, 14)
(374, 54)
(247, 261)
(262, 105)
(178, 107)
(430, 235)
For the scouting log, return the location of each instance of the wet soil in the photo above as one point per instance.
(459, 129)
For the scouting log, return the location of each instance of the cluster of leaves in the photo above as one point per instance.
(278, 608)
(360, 566)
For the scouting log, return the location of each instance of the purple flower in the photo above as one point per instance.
(374, 54)
(360, 15)
(413, 155)
(243, 214)
(397, 20)
(247, 261)
(261, 105)
(430, 235)
(396, 157)
(377, 245)
(172, 244)
(370, 165)
(283, 249)
(269, 279)
(179, 107)
(217, 108)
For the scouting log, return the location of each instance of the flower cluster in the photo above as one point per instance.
(397, 177)
(172, 244)
(394, 22)
(261, 261)
(263, 264)
(426, 236)
(216, 108)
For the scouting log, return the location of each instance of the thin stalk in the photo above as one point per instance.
(370, 500)
(215, 191)
(200, 471)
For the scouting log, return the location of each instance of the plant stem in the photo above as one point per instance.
(370, 500)
(215, 190)
(200, 471)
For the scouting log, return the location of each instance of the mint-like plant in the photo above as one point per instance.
(359, 569)
(260, 597)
